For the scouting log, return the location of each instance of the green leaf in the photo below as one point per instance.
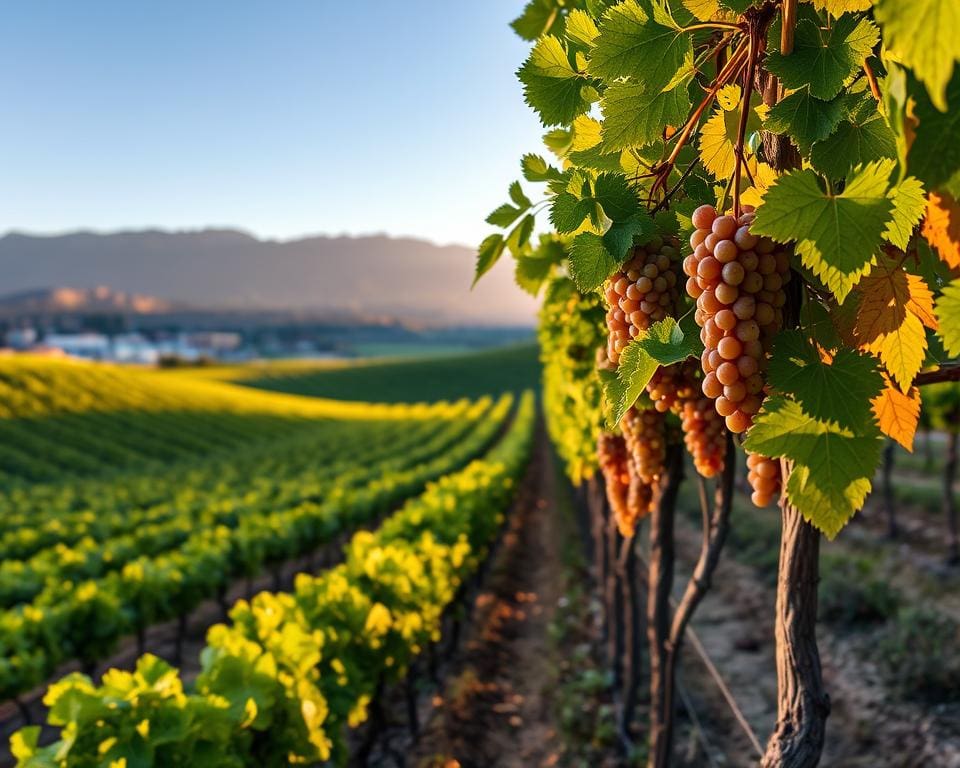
(520, 235)
(837, 235)
(504, 216)
(567, 213)
(839, 391)
(909, 204)
(581, 28)
(935, 153)
(536, 169)
(531, 272)
(614, 195)
(824, 58)
(551, 86)
(590, 261)
(539, 17)
(948, 313)
(516, 194)
(853, 144)
(663, 343)
(833, 464)
(490, 251)
(805, 119)
(646, 46)
(634, 116)
(621, 235)
(925, 36)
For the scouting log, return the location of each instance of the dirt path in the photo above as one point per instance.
(495, 707)
(867, 726)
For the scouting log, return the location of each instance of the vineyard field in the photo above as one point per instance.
(441, 377)
(700, 509)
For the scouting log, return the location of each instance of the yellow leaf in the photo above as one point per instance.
(716, 149)
(941, 227)
(898, 413)
(728, 97)
(903, 350)
(839, 7)
(586, 133)
(921, 302)
(893, 308)
(763, 176)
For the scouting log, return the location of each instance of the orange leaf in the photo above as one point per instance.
(921, 301)
(898, 413)
(941, 227)
(892, 310)
(885, 293)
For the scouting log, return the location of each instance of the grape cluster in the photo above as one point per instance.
(612, 456)
(672, 385)
(704, 434)
(643, 431)
(764, 477)
(640, 498)
(737, 279)
(645, 290)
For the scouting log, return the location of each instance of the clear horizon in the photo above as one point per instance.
(314, 120)
(230, 228)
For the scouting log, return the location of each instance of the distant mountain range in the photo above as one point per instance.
(230, 270)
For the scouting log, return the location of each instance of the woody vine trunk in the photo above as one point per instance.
(802, 702)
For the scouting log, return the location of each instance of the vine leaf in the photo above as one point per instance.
(613, 194)
(663, 343)
(909, 203)
(518, 196)
(854, 143)
(550, 84)
(897, 413)
(539, 17)
(581, 28)
(825, 58)
(489, 252)
(837, 390)
(833, 464)
(925, 36)
(504, 216)
(840, 7)
(941, 228)
(536, 169)
(837, 235)
(640, 42)
(719, 135)
(590, 261)
(948, 313)
(934, 155)
(635, 116)
(531, 272)
(804, 118)
(594, 257)
(894, 307)
(567, 212)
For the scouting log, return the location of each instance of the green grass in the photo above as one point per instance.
(429, 379)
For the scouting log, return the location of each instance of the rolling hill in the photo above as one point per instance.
(228, 269)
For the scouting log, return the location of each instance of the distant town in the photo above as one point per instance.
(103, 325)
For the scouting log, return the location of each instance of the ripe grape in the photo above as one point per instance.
(612, 456)
(737, 280)
(643, 431)
(645, 290)
(704, 434)
(671, 385)
(764, 477)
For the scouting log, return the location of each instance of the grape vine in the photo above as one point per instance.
(797, 146)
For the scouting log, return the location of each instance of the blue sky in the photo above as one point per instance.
(283, 117)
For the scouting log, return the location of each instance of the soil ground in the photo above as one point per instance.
(495, 706)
